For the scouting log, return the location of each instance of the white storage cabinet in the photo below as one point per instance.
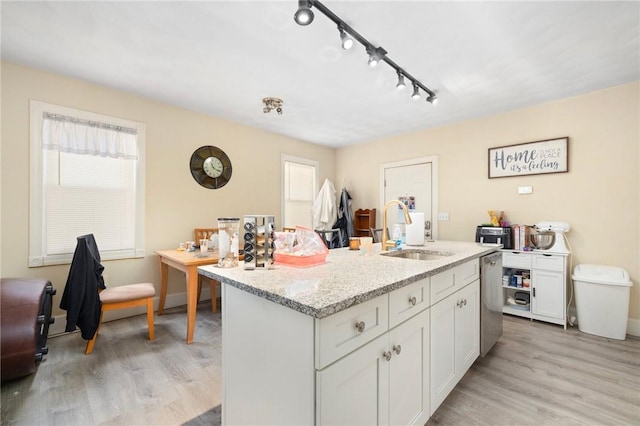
(548, 285)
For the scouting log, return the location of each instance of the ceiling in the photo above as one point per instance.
(222, 57)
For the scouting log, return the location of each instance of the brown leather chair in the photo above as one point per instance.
(25, 311)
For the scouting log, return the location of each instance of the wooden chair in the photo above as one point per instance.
(376, 234)
(205, 234)
(126, 296)
(331, 237)
(85, 292)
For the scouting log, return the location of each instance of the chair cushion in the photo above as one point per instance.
(127, 292)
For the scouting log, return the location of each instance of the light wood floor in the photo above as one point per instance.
(537, 374)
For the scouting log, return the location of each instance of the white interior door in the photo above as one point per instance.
(416, 180)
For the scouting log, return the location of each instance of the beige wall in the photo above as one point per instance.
(175, 203)
(599, 197)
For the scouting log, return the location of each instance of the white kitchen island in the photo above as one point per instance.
(358, 340)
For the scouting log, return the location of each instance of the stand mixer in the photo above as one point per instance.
(560, 244)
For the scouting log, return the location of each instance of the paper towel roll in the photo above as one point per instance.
(415, 231)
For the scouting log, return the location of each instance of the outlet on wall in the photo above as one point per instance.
(443, 216)
(525, 190)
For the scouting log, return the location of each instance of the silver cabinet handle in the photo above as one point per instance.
(387, 355)
(360, 326)
(413, 300)
(397, 349)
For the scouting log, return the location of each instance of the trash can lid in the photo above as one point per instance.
(601, 274)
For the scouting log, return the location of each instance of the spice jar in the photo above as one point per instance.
(228, 241)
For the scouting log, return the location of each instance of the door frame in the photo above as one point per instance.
(433, 159)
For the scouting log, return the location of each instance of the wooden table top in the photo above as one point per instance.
(189, 258)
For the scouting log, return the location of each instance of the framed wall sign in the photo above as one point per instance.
(531, 158)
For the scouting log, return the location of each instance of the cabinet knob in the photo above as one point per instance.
(412, 300)
(459, 303)
(465, 302)
(360, 326)
(397, 349)
(387, 355)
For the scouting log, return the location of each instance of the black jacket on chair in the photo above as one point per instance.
(80, 298)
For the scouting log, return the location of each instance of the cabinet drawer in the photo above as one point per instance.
(548, 262)
(347, 330)
(453, 279)
(516, 260)
(408, 301)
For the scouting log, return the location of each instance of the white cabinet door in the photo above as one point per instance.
(455, 340)
(442, 350)
(467, 327)
(355, 389)
(547, 294)
(409, 372)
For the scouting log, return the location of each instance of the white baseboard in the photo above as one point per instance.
(173, 300)
(633, 327)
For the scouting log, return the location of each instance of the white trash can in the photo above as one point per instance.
(602, 300)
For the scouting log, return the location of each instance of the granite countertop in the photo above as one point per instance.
(347, 278)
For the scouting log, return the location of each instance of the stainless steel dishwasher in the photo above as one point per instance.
(490, 301)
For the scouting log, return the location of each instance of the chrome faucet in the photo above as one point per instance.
(386, 243)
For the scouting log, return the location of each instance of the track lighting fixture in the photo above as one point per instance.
(416, 92)
(376, 54)
(400, 84)
(304, 16)
(347, 42)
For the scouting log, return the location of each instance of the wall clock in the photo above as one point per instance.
(210, 167)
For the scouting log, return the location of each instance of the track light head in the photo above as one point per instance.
(375, 55)
(432, 99)
(416, 92)
(400, 84)
(347, 42)
(304, 14)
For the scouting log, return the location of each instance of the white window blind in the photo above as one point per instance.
(86, 179)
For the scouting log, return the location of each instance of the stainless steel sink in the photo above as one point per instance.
(417, 254)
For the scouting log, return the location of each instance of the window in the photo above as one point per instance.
(299, 188)
(87, 176)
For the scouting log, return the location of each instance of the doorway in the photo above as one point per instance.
(299, 186)
(415, 182)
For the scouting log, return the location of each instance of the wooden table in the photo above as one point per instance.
(188, 263)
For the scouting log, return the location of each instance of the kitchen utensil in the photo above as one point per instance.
(542, 240)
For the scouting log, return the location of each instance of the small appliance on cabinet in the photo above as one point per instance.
(495, 235)
(258, 241)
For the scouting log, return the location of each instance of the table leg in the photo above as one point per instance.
(192, 301)
(164, 277)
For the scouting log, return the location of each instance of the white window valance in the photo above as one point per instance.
(73, 135)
